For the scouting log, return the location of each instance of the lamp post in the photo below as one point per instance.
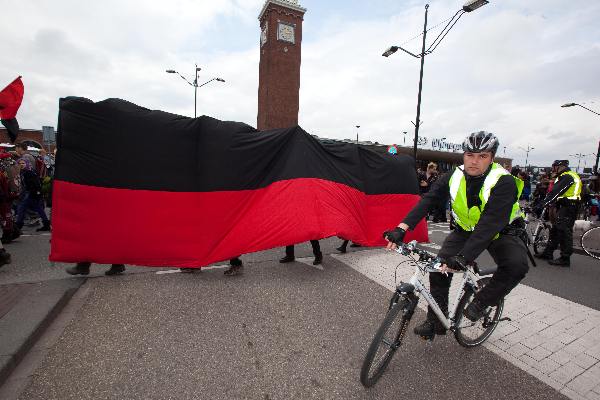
(527, 156)
(579, 157)
(194, 84)
(469, 6)
(357, 127)
(598, 151)
(405, 138)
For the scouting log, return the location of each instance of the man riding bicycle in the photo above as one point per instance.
(484, 200)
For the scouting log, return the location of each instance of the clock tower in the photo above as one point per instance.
(279, 68)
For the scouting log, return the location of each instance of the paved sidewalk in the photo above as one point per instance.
(553, 339)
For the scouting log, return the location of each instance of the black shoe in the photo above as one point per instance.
(234, 270)
(318, 259)
(287, 259)
(474, 311)
(4, 257)
(78, 269)
(427, 329)
(44, 228)
(561, 261)
(189, 270)
(341, 249)
(355, 245)
(115, 269)
(544, 256)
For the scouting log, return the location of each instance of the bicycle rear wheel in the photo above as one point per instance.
(590, 242)
(541, 239)
(471, 334)
(385, 343)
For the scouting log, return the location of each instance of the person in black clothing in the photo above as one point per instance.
(83, 268)
(32, 196)
(566, 194)
(480, 185)
(316, 248)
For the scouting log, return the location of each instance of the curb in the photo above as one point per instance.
(23, 325)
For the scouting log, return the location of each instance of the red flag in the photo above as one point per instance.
(10, 101)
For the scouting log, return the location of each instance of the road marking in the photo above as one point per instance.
(554, 339)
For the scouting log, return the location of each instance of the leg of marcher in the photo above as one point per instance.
(343, 246)
(510, 254)
(81, 268)
(564, 226)
(38, 207)
(289, 254)
(115, 269)
(236, 267)
(316, 247)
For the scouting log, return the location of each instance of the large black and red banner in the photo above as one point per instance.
(145, 187)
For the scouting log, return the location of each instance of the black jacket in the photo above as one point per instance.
(32, 183)
(494, 218)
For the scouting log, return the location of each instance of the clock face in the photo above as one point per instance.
(285, 32)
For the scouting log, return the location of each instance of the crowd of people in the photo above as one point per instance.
(25, 191)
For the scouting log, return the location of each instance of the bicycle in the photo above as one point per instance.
(403, 303)
(590, 242)
(539, 236)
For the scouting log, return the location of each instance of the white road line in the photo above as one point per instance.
(554, 339)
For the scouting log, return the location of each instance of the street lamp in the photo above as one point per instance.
(579, 156)
(527, 156)
(598, 151)
(357, 126)
(469, 6)
(194, 84)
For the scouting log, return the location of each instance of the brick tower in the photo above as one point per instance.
(279, 68)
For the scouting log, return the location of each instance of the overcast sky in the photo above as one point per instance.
(506, 67)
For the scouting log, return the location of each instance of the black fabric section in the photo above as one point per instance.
(560, 187)
(117, 144)
(12, 127)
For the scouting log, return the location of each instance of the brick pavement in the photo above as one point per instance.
(553, 339)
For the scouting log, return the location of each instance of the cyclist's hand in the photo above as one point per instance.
(455, 263)
(394, 237)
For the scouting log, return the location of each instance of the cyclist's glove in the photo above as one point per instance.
(395, 236)
(457, 263)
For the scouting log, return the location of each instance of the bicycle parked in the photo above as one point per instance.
(403, 303)
(538, 229)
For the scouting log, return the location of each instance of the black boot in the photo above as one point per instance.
(79, 269)
(318, 259)
(115, 269)
(474, 311)
(44, 228)
(429, 328)
(236, 267)
(287, 259)
(4, 257)
(561, 261)
(341, 249)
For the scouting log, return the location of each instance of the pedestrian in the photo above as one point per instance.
(566, 196)
(485, 202)
(316, 248)
(343, 247)
(31, 198)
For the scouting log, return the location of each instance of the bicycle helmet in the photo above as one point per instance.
(557, 163)
(478, 142)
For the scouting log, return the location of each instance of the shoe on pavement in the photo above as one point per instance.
(234, 270)
(318, 259)
(44, 228)
(561, 261)
(78, 269)
(287, 259)
(474, 311)
(115, 269)
(4, 257)
(428, 329)
(355, 245)
(544, 256)
(189, 270)
(341, 249)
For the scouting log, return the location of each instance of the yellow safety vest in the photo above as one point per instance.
(574, 191)
(467, 218)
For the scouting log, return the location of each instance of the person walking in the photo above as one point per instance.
(566, 196)
(316, 248)
(485, 204)
(31, 197)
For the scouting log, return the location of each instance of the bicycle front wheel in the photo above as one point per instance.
(471, 334)
(385, 343)
(541, 239)
(590, 242)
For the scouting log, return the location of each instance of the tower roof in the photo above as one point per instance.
(292, 4)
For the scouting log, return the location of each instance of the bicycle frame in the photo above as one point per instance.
(416, 285)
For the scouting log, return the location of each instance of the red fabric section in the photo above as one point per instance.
(189, 229)
(11, 98)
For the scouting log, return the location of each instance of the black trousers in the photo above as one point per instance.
(509, 253)
(561, 232)
(316, 248)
